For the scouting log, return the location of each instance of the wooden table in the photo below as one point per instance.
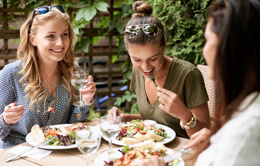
(71, 157)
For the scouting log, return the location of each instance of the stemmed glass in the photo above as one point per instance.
(110, 127)
(88, 140)
(79, 80)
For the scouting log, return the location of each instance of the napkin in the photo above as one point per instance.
(35, 153)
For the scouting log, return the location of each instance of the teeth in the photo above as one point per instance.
(148, 71)
(57, 50)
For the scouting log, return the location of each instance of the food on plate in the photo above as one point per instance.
(66, 135)
(150, 122)
(133, 155)
(130, 141)
(37, 134)
(153, 136)
(113, 155)
(137, 131)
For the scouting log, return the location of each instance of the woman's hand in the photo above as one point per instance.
(116, 112)
(13, 113)
(89, 91)
(154, 161)
(172, 104)
(199, 140)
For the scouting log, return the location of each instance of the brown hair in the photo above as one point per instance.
(34, 87)
(142, 15)
(236, 68)
(237, 63)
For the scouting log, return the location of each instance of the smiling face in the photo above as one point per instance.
(148, 58)
(51, 40)
(210, 47)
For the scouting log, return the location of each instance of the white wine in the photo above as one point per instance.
(79, 83)
(110, 130)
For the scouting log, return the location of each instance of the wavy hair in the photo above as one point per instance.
(34, 87)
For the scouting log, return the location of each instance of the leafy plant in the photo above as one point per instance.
(184, 22)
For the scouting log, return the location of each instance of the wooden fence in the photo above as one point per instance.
(108, 75)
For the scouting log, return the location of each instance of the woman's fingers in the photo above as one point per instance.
(90, 78)
(13, 113)
(198, 138)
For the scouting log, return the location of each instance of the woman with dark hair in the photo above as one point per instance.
(232, 52)
(180, 89)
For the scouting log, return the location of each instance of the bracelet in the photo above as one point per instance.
(192, 123)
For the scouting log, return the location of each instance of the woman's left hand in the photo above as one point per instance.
(89, 91)
(172, 104)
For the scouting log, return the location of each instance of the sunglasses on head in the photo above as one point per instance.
(150, 30)
(43, 10)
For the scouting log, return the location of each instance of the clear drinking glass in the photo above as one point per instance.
(110, 127)
(79, 80)
(88, 140)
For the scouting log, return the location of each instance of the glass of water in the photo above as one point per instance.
(79, 80)
(110, 127)
(88, 140)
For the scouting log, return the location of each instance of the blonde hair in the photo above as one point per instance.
(34, 86)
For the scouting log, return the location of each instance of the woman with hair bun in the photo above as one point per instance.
(41, 78)
(169, 90)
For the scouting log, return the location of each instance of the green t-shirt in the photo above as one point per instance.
(185, 80)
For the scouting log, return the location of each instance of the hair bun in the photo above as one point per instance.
(142, 9)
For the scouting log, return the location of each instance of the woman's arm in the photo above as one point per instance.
(172, 104)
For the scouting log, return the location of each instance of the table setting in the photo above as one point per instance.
(91, 151)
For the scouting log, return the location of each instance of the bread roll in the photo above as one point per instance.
(37, 134)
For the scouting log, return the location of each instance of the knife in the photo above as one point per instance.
(27, 150)
(176, 155)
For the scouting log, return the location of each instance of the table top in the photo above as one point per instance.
(71, 157)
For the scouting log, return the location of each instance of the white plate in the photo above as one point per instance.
(32, 142)
(170, 133)
(99, 161)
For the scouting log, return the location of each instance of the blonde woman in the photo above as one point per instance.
(41, 78)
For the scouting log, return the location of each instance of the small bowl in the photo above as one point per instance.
(150, 123)
(114, 154)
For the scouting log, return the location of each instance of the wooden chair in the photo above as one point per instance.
(210, 86)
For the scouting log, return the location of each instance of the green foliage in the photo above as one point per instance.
(93, 114)
(184, 23)
(128, 96)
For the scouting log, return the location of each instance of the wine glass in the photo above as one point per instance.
(88, 140)
(110, 127)
(79, 80)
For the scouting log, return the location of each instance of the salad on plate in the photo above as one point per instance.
(66, 134)
(137, 131)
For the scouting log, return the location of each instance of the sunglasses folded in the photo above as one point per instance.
(151, 30)
(44, 10)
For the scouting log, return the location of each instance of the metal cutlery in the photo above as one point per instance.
(176, 155)
(27, 150)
